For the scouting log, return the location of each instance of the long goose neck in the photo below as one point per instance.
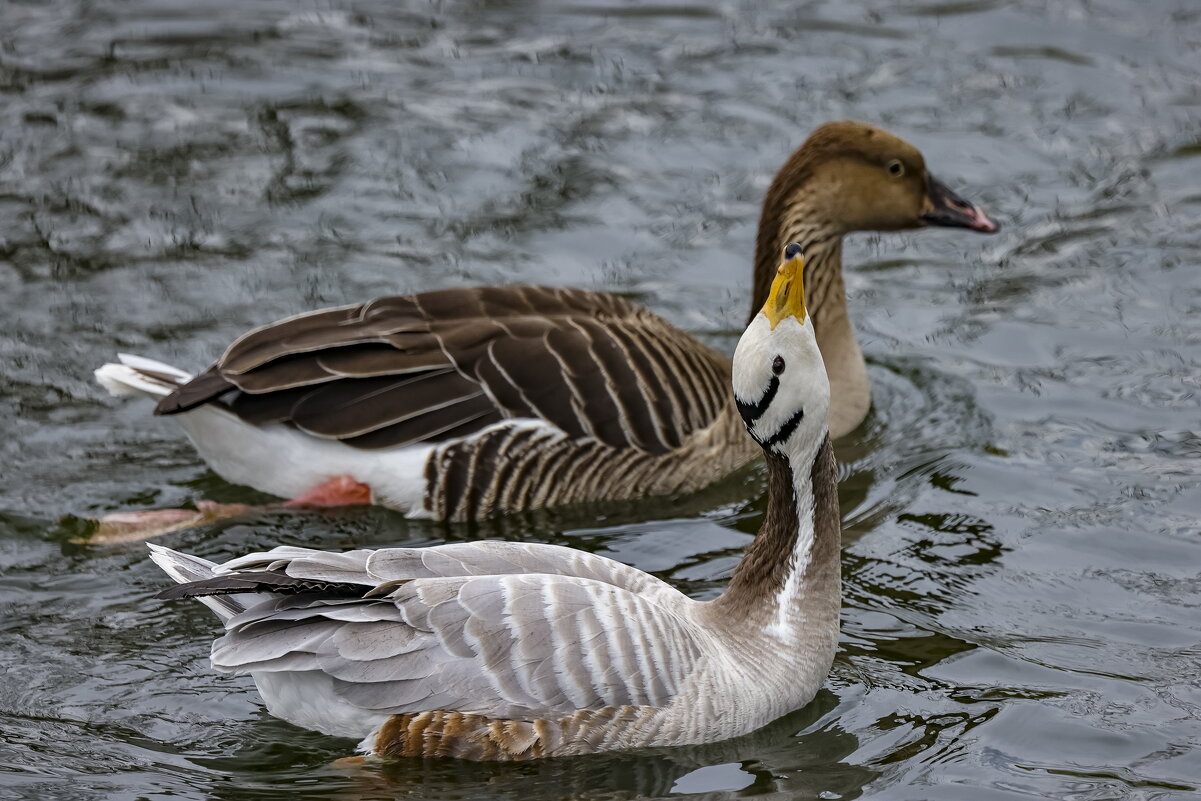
(799, 219)
(790, 572)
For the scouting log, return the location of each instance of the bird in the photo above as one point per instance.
(469, 403)
(497, 650)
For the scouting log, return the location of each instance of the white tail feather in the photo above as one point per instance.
(277, 458)
(136, 375)
(185, 568)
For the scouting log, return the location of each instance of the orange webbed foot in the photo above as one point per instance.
(338, 491)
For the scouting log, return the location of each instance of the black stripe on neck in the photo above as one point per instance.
(786, 430)
(753, 411)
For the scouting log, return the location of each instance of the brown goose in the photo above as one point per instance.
(469, 403)
(506, 651)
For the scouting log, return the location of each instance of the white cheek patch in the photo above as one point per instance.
(752, 371)
(775, 406)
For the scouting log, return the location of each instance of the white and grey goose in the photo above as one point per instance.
(504, 651)
(469, 403)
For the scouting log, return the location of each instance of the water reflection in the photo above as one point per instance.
(800, 756)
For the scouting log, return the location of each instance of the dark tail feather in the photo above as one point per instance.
(263, 581)
(204, 388)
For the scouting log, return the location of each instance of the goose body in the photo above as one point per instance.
(503, 651)
(461, 403)
(470, 403)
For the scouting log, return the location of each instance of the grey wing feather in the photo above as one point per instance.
(481, 558)
(510, 646)
(349, 566)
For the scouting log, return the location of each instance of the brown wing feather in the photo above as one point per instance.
(429, 367)
(351, 408)
(591, 400)
(204, 388)
(528, 382)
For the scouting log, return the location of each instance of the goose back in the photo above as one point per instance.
(442, 365)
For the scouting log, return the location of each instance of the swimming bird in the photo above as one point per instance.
(474, 402)
(498, 650)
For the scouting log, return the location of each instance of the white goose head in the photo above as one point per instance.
(780, 383)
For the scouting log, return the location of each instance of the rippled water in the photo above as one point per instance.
(1022, 509)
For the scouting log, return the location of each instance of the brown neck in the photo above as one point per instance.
(797, 219)
(769, 560)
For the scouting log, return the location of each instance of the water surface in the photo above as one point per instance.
(1021, 541)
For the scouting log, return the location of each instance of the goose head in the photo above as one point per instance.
(847, 177)
(780, 384)
(861, 178)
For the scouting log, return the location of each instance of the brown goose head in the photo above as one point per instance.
(850, 176)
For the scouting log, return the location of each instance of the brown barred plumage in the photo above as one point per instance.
(480, 738)
(517, 467)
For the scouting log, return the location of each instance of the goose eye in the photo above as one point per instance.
(896, 168)
(777, 366)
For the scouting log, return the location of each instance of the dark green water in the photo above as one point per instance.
(1023, 509)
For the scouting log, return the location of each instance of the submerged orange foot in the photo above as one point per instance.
(338, 491)
(136, 526)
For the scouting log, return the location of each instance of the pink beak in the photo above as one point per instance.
(945, 208)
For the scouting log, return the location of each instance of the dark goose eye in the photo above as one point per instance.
(777, 366)
(896, 168)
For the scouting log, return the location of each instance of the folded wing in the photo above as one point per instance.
(398, 635)
(439, 365)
